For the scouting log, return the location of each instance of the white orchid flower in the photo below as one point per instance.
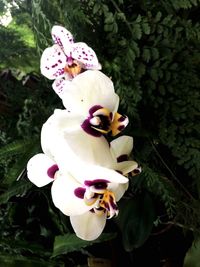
(87, 192)
(66, 59)
(89, 195)
(91, 103)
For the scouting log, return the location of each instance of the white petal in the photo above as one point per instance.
(37, 170)
(88, 226)
(122, 145)
(53, 62)
(127, 166)
(118, 190)
(53, 129)
(85, 55)
(63, 38)
(64, 198)
(90, 149)
(87, 172)
(88, 89)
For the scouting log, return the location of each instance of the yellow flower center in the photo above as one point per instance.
(74, 69)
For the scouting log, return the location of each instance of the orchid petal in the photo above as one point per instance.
(37, 170)
(52, 133)
(122, 145)
(118, 190)
(88, 89)
(88, 226)
(64, 198)
(89, 148)
(126, 167)
(63, 38)
(60, 85)
(53, 62)
(85, 55)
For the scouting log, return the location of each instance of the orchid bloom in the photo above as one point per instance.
(66, 59)
(87, 192)
(91, 103)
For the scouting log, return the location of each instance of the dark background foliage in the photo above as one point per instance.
(151, 51)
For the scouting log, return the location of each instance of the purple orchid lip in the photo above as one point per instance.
(94, 109)
(52, 170)
(92, 129)
(86, 126)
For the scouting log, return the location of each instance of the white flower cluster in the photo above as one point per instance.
(89, 174)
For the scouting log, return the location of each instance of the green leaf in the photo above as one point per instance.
(137, 32)
(109, 18)
(146, 55)
(135, 220)
(70, 242)
(14, 148)
(18, 189)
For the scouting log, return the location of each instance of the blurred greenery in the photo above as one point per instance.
(151, 51)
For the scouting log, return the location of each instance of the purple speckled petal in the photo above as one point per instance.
(52, 170)
(63, 38)
(85, 55)
(53, 62)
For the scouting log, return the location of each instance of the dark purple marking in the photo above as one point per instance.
(94, 109)
(122, 158)
(92, 210)
(79, 192)
(55, 65)
(86, 126)
(106, 205)
(95, 182)
(111, 116)
(52, 170)
(112, 203)
(121, 127)
(137, 170)
(122, 118)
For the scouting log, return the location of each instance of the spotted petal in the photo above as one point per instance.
(61, 85)
(65, 198)
(63, 38)
(86, 56)
(41, 170)
(53, 62)
(88, 89)
(88, 226)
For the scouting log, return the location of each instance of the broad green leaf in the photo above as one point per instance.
(135, 220)
(70, 242)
